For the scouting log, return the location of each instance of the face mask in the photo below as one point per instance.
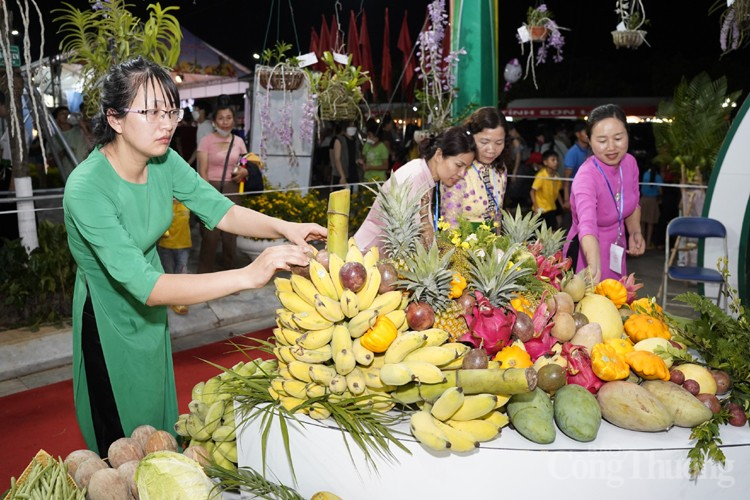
(223, 133)
(196, 115)
(350, 131)
(370, 141)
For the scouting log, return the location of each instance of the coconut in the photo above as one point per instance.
(142, 433)
(107, 484)
(160, 440)
(76, 458)
(87, 469)
(124, 450)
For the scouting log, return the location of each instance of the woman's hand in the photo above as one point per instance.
(240, 175)
(301, 233)
(636, 245)
(271, 260)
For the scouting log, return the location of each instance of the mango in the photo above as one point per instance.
(686, 409)
(632, 407)
(531, 414)
(577, 413)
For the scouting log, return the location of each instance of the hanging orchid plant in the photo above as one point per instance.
(540, 27)
(735, 24)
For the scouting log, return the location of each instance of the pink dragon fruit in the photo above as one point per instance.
(489, 327)
(631, 286)
(543, 340)
(579, 368)
(551, 269)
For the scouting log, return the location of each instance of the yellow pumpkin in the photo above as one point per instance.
(643, 326)
(380, 336)
(607, 364)
(646, 305)
(620, 345)
(513, 356)
(458, 285)
(647, 365)
(613, 290)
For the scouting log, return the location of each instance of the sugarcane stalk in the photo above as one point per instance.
(338, 222)
(487, 381)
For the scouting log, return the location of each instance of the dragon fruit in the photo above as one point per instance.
(542, 341)
(489, 326)
(551, 269)
(631, 286)
(579, 368)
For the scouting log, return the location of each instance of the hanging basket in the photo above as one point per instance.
(628, 39)
(337, 103)
(538, 33)
(280, 78)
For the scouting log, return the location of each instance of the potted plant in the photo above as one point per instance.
(338, 89)
(277, 71)
(540, 27)
(632, 17)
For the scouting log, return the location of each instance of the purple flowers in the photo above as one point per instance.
(553, 40)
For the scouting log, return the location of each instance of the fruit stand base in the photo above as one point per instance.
(619, 464)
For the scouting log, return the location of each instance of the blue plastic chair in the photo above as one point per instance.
(699, 228)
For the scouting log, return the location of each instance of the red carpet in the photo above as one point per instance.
(44, 418)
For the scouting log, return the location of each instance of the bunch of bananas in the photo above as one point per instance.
(458, 422)
(211, 422)
(318, 334)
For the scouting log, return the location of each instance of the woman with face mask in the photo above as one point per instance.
(374, 154)
(218, 155)
(346, 155)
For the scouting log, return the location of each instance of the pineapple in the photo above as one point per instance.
(399, 213)
(550, 241)
(498, 278)
(520, 229)
(428, 277)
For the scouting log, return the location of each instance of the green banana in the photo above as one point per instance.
(224, 433)
(197, 392)
(228, 449)
(180, 427)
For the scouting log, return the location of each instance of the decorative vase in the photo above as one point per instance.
(252, 247)
(538, 33)
(631, 39)
(280, 78)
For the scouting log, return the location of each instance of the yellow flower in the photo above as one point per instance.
(465, 245)
(456, 240)
(484, 226)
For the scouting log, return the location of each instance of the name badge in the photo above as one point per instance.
(616, 254)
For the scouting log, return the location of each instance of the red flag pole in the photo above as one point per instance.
(409, 63)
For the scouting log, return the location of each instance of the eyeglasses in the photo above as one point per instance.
(152, 115)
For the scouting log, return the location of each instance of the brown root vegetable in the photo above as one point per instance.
(160, 440)
(723, 382)
(142, 433)
(711, 402)
(564, 327)
(76, 458)
(564, 303)
(87, 469)
(107, 484)
(124, 450)
(737, 415)
(127, 473)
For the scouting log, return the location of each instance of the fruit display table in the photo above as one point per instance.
(619, 464)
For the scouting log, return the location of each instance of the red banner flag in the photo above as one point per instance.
(385, 67)
(352, 42)
(405, 46)
(325, 37)
(315, 45)
(366, 52)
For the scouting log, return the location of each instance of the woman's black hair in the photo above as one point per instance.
(602, 113)
(119, 88)
(223, 102)
(490, 118)
(453, 141)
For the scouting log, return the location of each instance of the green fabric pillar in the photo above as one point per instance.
(475, 30)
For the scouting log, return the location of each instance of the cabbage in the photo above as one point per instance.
(166, 475)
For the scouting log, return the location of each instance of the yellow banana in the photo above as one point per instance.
(398, 318)
(283, 284)
(403, 345)
(497, 418)
(355, 381)
(322, 280)
(370, 290)
(304, 288)
(460, 440)
(372, 257)
(300, 370)
(289, 403)
(229, 450)
(335, 263)
(436, 355)
(362, 322)
(329, 308)
(378, 361)
(460, 348)
(456, 364)
(284, 319)
(340, 339)
(448, 403)
(350, 303)
(315, 390)
(294, 302)
(277, 384)
(475, 407)
(372, 379)
(354, 254)
(280, 339)
(482, 430)
(363, 355)
(423, 427)
(322, 374)
(344, 361)
(502, 399)
(274, 393)
(386, 302)
(311, 320)
(424, 372)
(319, 412)
(291, 336)
(396, 374)
(320, 355)
(283, 354)
(295, 388)
(338, 384)
(315, 339)
(435, 336)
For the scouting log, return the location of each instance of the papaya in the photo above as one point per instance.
(686, 409)
(531, 414)
(577, 413)
(632, 407)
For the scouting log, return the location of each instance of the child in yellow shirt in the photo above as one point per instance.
(546, 190)
(174, 246)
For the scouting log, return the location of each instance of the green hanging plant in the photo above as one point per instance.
(108, 34)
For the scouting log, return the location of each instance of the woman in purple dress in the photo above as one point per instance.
(604, 200)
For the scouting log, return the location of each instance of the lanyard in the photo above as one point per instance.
(494, 193)
(620, 209)
(437, 206)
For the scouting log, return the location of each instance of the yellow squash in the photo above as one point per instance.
(380, 336)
